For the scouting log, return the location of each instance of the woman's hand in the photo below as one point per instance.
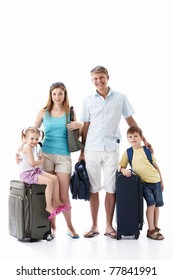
(18, 158)
(74, 125)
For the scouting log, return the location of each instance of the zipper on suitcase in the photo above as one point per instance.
(28, 196)
(16, 216)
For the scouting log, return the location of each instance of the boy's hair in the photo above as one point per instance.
(134, 129)
(99, 69)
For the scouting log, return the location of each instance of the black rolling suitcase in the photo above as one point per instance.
(28, 218)
(129, 205)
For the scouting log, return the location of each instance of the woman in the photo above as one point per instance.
(55, 117)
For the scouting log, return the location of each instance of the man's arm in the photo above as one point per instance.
(84, 135)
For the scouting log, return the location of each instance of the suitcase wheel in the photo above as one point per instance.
(49, 236)
(136, 236)
(118, 236)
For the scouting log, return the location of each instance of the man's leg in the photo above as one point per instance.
(110, 166)
(94, 165)
(109, 208)
(94, 207)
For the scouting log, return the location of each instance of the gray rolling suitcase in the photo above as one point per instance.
(28, 218)
(129, 205)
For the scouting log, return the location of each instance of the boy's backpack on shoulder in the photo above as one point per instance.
(79, 182)
(147, 152)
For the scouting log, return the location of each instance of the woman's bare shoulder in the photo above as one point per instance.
(42, 112)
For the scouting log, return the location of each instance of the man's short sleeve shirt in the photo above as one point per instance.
(104, 116)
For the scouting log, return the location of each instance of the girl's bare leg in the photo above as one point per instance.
(53, 220)
(48, 191)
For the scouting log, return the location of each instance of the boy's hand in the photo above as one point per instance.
(126, 172)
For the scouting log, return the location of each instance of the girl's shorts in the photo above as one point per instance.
(31, 176)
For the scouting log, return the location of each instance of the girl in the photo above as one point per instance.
(30, 172)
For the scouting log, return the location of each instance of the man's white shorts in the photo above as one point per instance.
(101, 167)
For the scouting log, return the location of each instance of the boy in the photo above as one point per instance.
(151, 180)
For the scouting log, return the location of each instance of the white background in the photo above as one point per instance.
(47, 41)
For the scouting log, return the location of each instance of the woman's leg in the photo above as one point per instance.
(64, 181)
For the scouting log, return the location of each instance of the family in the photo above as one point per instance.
(99, 128)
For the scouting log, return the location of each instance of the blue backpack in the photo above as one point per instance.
(147, 152)
(79, 182)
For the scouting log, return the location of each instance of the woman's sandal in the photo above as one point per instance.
(73, 235)
(154, 234)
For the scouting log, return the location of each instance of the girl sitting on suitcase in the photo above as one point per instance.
(150, 176)
(30, 171)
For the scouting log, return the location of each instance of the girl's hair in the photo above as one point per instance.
(49, 104)
(32, 129)
(134, 129)
(99, 69)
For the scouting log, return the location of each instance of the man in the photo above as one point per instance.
(101, 115)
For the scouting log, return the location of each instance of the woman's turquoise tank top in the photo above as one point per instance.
(55, 135)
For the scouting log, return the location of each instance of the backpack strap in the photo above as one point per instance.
(147, 152)
(130, 155)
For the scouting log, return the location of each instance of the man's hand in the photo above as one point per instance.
(148, 145)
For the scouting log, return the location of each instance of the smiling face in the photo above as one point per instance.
(134, 139)
(100, 81)
(100, 77)
(32, 138)
(58, 96)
